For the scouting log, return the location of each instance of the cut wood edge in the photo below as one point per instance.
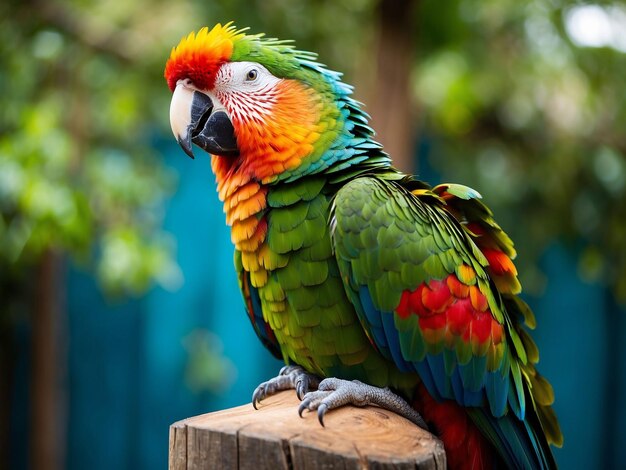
(177, 456)
(274, 437)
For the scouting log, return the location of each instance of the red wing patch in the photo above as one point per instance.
(452, 307)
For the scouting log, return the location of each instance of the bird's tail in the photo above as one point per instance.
(474, 439)
(466, 447)
(520, 443)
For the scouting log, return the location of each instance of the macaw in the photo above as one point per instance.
(372, 286)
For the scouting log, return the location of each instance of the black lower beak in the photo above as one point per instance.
(217, 136)
(210, 129)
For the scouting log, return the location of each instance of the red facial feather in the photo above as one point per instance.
(198, 56)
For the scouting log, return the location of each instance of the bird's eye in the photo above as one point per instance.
(252, 74)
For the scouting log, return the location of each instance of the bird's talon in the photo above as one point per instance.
(290, 377)
(259, 394)
(301, 409)
(321, 411)
(302, 386)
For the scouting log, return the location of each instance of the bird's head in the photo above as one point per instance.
(255, 104)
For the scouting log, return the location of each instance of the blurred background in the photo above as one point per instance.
(119, 308)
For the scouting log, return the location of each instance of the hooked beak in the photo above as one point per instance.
(196, 118)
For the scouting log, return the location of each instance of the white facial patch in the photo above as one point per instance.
(247, 90)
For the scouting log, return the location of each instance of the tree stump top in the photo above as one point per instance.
(274, 437)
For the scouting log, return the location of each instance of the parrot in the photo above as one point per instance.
(373, 287)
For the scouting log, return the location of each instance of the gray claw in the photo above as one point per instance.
(290, 377)
(321, 411)
(301, 408)
(304, 382)
(258, 395)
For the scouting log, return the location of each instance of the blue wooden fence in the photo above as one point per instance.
(127, 360)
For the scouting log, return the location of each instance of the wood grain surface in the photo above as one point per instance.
(274, 437)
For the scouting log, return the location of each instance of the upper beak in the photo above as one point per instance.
(197, 118)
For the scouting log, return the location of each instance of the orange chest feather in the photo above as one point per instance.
(275, 132)
(243, 205)
(274, 135)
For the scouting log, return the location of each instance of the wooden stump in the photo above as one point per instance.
(274, 437)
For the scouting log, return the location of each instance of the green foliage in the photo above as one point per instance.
(534, 121)
(81, 102)
(515, 108)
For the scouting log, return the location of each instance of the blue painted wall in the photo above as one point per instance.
(577, 323)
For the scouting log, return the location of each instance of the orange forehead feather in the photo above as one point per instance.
(199, 55)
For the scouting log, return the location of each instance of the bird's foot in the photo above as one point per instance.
(289, 378)
(334, 393)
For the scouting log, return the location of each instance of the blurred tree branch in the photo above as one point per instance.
(391, 104)
(48, 383)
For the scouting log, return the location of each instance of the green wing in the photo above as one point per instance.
(423, 285)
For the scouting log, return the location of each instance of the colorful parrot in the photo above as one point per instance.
(372, 286)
